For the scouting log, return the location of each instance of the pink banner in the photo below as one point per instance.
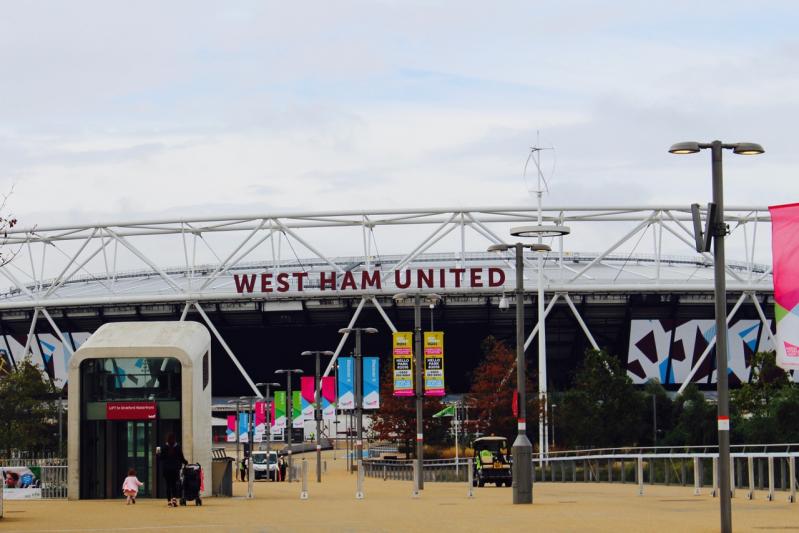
(260, 413)
(329, 388)
(307, 388)
(785, 272)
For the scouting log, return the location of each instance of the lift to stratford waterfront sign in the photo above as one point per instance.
(422, 278)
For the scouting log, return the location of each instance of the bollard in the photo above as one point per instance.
(470, 479)
(324, 466)
(304, 492)
(732, 477)
(792, 478)
(715, 490)
(770, 478)
(750, 463)
(359, 488)
(415, 492)
(640, 476)
(697, 489)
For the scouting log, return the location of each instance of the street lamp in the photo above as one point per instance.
(268, 409)
(251, 439)
(289, 415)
(522, 450)
(358, 395)
(418, 363)
(239, 404)
(716, 230)
(317, 412)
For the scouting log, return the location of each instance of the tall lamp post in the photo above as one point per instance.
(540, 231)
(715, 230)
(289, 414)
(522, 449)
(249, 403)
(358, 387)
(268, 409)
(431, 298)
(239, 405)
(317, 412)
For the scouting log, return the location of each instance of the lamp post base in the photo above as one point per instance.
(522, 452)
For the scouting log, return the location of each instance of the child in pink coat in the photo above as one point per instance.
(130, 487)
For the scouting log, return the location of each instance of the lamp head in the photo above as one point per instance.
(747, 149)
(688, 147)
(371, 331)
(540, 231)
(540, 247)
(499, 248)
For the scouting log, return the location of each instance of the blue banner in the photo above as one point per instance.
(244, 426)
(371, 382)
(346, 396)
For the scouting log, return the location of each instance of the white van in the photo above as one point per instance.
(263, 467)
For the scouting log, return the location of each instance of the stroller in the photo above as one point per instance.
(191, 482)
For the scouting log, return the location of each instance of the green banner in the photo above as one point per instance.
(296, 409)
(279, 410)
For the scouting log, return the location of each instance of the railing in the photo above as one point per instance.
(760, 467)
(54, 482)
(434, 470)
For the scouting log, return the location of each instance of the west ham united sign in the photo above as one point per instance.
(422, 278)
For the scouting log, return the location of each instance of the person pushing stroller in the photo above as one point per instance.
(172, 459)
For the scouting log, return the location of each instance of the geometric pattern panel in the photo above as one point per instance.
(667, 350)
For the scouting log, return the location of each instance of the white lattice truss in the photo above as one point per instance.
(89, 265)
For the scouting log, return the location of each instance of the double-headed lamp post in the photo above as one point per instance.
(418, 363)
(522, 449)
(268, 409)
(239, 404)
(249, 402)
(317, 412)
(715, 232)
(358, 388)
(289, 419)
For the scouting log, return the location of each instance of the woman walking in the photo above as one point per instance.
(171, 457)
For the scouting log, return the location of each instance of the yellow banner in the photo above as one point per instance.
(434, 363)
(402, 353)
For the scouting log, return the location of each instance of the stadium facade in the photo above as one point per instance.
(269, 286)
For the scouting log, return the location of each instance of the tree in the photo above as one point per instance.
(396, 418)
(766, 407)
(28, 409)
(603, 408)
(7, 222)
(694, 419)
(491, 393)
(663, 410)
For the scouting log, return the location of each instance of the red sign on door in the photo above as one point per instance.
(130, 410)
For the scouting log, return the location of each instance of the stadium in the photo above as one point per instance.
(271, 285)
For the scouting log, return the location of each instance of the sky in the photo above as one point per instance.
(127, 110)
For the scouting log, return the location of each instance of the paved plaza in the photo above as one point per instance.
(388, 506)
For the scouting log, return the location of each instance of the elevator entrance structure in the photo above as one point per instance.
(130, 385)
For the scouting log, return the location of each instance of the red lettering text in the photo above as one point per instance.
(475, 279)
(349, 281)
(266, 282)
(299, 276)
(373, 281)
(244, 283)
(325, 280)
(400, 284)
(496, 277)
(458, 273)
(282, 282)
(423, 277)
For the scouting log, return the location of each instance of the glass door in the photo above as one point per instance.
(139, 452)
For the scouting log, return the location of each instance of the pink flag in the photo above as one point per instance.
(785, 272)
(307, 388)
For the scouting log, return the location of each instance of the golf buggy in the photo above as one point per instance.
(492, 462)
